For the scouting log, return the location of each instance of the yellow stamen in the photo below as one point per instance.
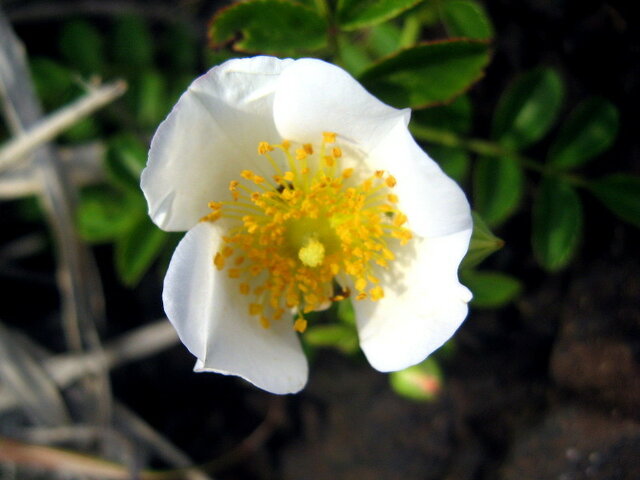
(290, 238)
(218, 261)
(300, 325)
(255, 308)
(301, 154)
(328, 137)
(264, 147)
(376, 293)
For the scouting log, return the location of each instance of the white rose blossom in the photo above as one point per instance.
(298, 188)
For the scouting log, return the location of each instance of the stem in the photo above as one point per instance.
(490, 149)
(82, 301)
(48, 128)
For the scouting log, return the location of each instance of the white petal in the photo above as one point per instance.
(423, 305)
(211, 134)
(434, 204)
(314, 96)
(212, 320)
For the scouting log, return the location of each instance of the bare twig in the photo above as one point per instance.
(58, 460)
(79, 283)
(23, 376)
(272, 421)
(164, 449)
(140, 343)
(69, 368)
(68, 462)
(83, 164)
(63, 370)
(51, 126)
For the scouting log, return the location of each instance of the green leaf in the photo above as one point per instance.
(151, 99)
(103, 214)
(491, 289)
(498, 184)
(620, 193)
(56, 86)
(269, 26)
(216, 57)
(82, 46)
(454, 116)
(411, 30)
(126, 157)
(384, 39)
(422, 382)
(81, 131)
(427, 74)
(557, 224)
(345, 313)
(528, 109)
(340, 336)
(589, 131)
(137, 249)
(429, 14)
(53, 82)
(133, 43)
(355, 14)
(353, 57)
(483, 243)
(454, 162)
(466, 18)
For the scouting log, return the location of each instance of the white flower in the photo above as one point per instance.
(297, 187)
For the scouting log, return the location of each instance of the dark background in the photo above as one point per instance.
(546, 388)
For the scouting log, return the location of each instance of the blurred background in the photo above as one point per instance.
(529, 105)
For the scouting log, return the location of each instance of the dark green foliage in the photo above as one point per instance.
(427, 74)
(491, 289)
(528, 109)
(269, 26)
(355, 14)
(466, 18)
(589, 131)
(557, 224)
(498, 187)
(620, 193)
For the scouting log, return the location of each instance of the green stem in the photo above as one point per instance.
(491, 150)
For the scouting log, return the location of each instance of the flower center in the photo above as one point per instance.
(310, 223)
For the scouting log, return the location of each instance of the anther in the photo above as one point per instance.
(328, 137)
(218, 261)
(300, 325)
(391, 181)
(301, 154)
(264, 147)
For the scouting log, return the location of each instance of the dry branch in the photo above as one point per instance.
(53, 125)
(78, 280)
